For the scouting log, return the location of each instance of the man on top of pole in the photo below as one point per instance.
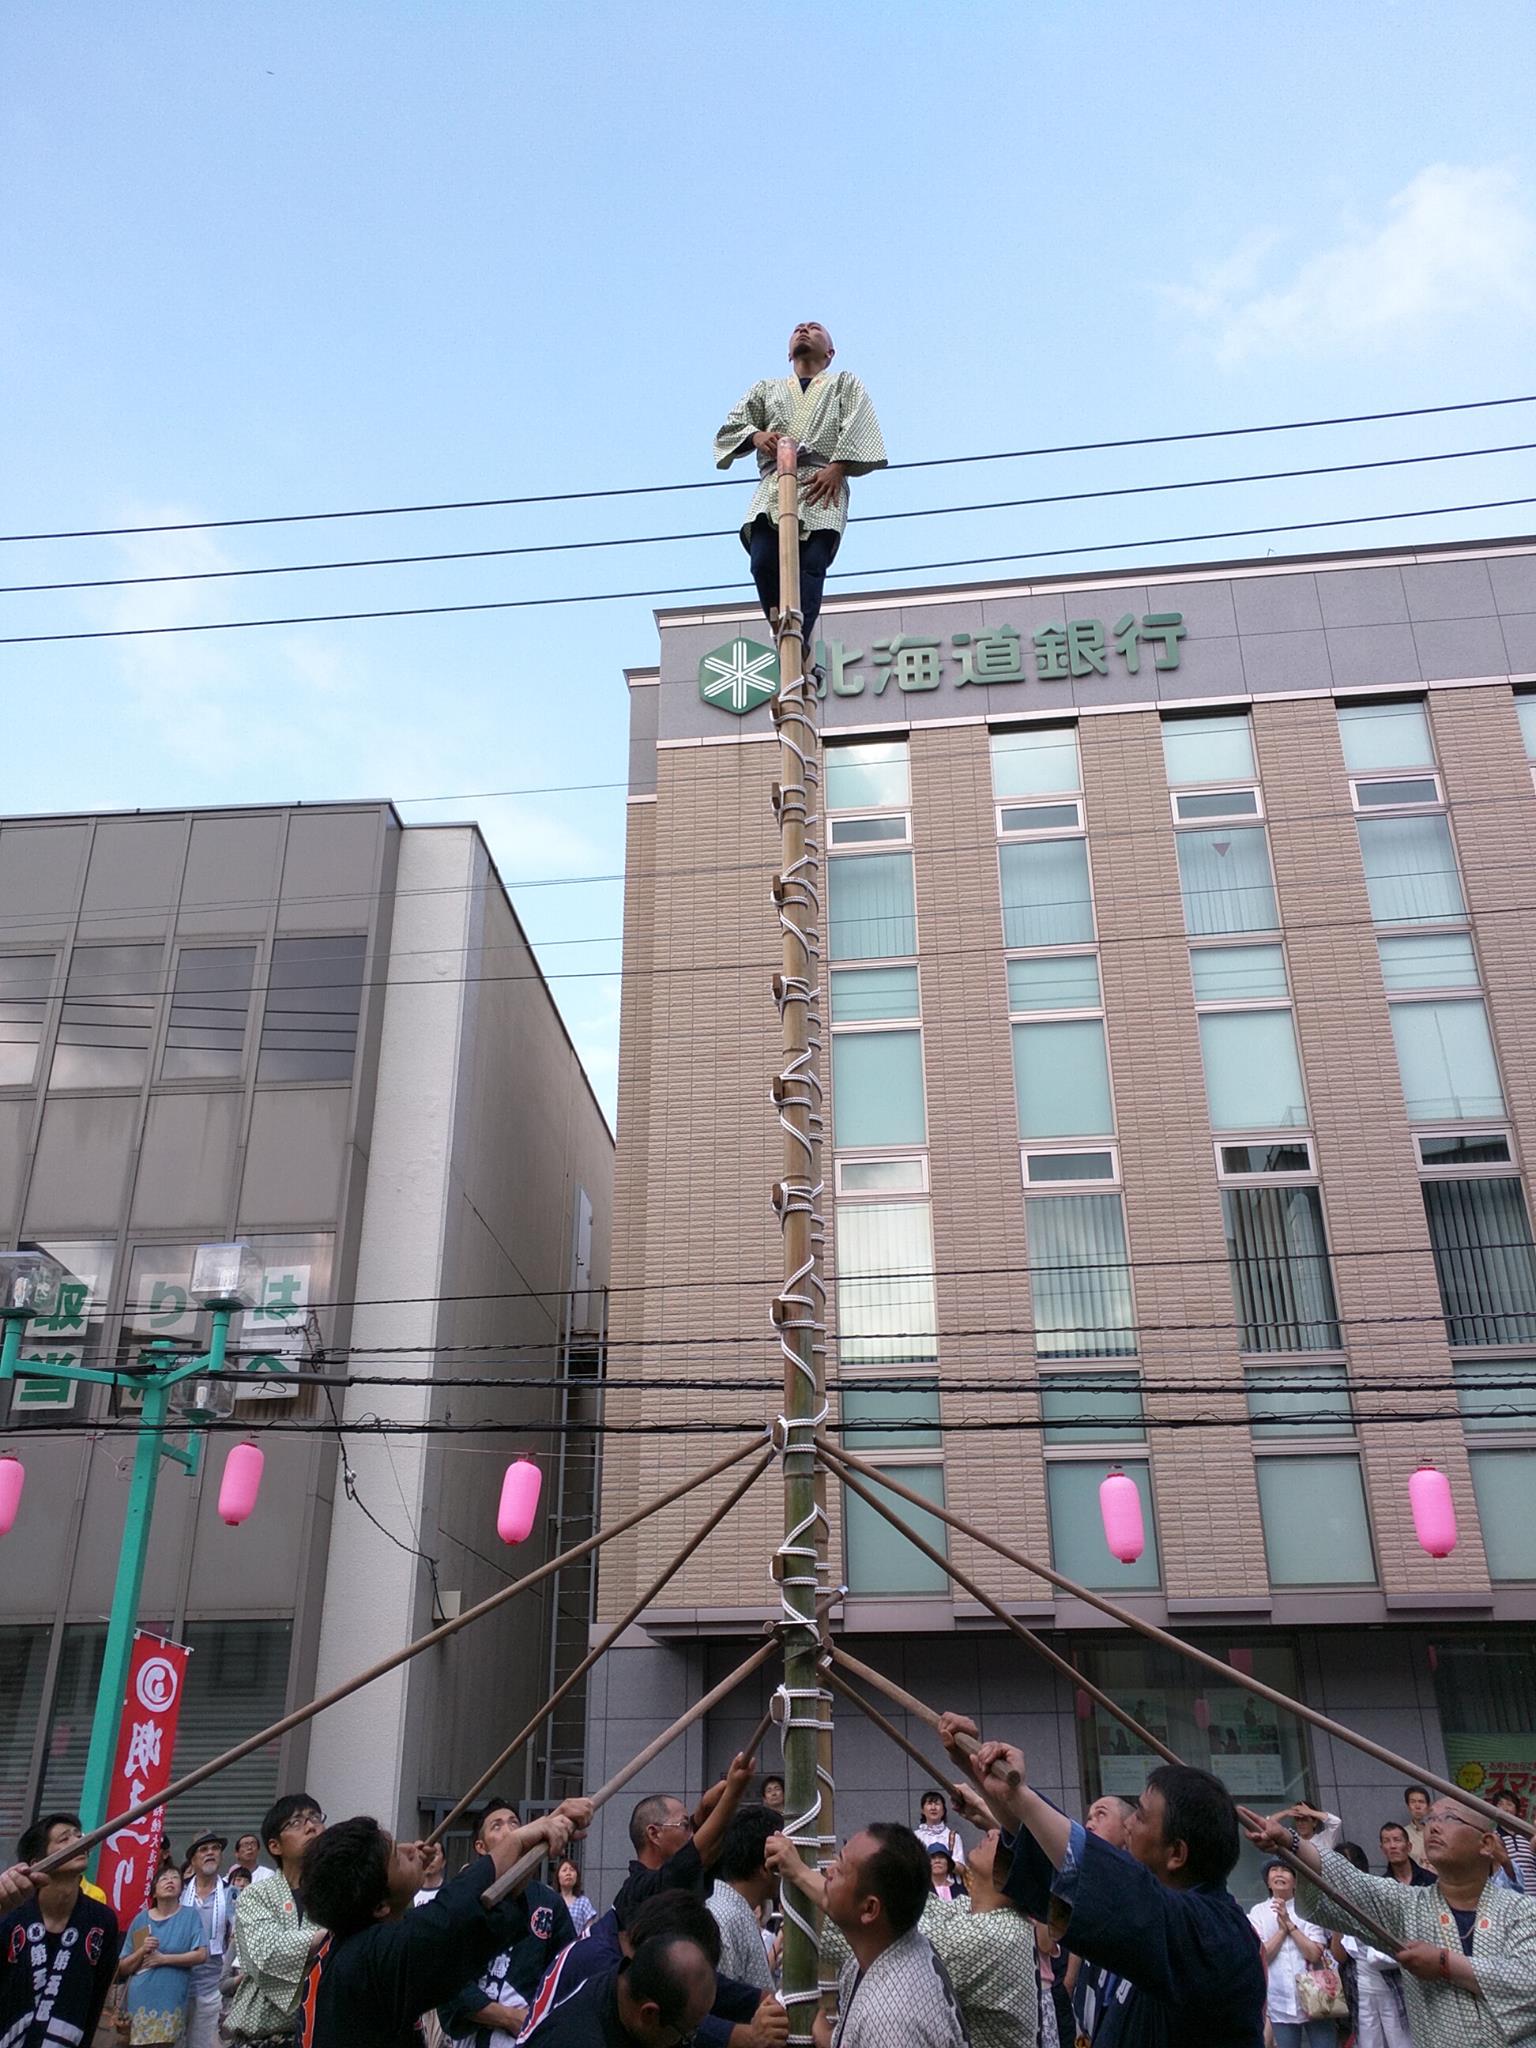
(829, 417)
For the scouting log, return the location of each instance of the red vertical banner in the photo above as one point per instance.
(146, 1740)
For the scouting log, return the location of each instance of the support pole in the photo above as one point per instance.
(798, 1309)
(429, 1641)
(1227, 1673)
(638, 1607)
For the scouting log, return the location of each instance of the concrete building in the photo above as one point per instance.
(1181, 956)
(326, 1033)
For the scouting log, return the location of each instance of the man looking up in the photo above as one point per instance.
(674, 1849)
(831, 421)
(274, 1941)
(893, 1988)
(1468, 1952)
(988, 1948)
(1157, 1913)
(1090, 1986)
(58, 1948)
(491, 2012)
(214, 1903)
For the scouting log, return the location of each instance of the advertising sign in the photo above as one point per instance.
(146, 1740)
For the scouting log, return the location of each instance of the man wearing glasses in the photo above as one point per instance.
(674, 1848)
(274, 1943)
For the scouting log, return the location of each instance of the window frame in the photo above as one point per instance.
(1256, 816)
(254, 1008)
(1065, 1147)
(48, 1003)
(850, 743)
(1055, 830)
(1257, 1367)
(1272, 934)
(837, 818)
(878, 1156)
(1465, 1169)
(1300, 1176)
(1409, 805)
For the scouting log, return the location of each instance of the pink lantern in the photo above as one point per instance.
(1120, 1506)
(1434, 1512)
(1202, 1712)
(1083, 1704)
(13, 1477)
(241, 1483)
(520, 1492)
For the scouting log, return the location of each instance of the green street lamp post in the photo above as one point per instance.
(226, 1278)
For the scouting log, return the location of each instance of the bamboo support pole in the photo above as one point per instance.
(995, 1607)
(429, 1641)
(525, 1867)
(705, 1530)
(1229, 1674)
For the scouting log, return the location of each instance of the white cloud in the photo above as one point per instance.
(1457, 243)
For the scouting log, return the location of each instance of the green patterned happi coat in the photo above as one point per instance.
(832, 420)
(1503, 1954)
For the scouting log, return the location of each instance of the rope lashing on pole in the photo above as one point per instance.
(799, 1307)
(1229, 1674)
(300, 1715)
(631, 1614)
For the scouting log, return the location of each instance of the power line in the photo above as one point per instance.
(660, 539)
(729, 483)
(421, 611)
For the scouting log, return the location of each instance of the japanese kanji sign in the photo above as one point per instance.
(146, 1740)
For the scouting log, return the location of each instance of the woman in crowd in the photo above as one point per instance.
(947, 1883)
(934, 1831)
(577, 1904)
(1517, 1847)
(1292, 1947)
(165, 1941)
(1398, 1856)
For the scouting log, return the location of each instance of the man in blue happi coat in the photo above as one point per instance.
(1156, 1914)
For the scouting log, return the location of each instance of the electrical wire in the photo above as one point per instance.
(728, 483)
(505, 604)
(561, 547)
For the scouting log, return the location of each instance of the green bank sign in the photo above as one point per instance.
(743, 673)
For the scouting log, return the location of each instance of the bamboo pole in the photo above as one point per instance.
(638, 1607)
(429, 1641)
(514, 1879)
(797, 1308)
(995, 1607)
(1227, 1673)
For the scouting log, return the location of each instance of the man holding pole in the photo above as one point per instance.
(675, 1849)
(58, 1949)
(832, 423)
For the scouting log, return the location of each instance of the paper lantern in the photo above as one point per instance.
(1434, 1512)
(1120, 1506)
(1083, 1703)
(519, 1500)
(13, 1477)
(241, 1483)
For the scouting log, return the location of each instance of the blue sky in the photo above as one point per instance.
(288, 257)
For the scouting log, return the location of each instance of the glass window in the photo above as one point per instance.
(72, 1331)
(1379, 736)
(1445, 1056)
(1278, 1254)
(882, 1176)
(1463, 1148)
(23, 1658)
(1061, 1079)
(110, 1001)
(1067, 981)
(1273, 1158)
(1039, 761)
(1039, 817)
(1079, 1276)
(25, 979)
(1216, 749)
(1497, 1395)
(1046, 898)
(1057, 1166)
(868, 775)
(1192, 805)
(1078, 1548)
(915, 1406)
(1428, 960)
(296, 1275)
(1410, 870)
(1315, 1527)
(886, 1313)
(314, 993)
(1396, 792)
(1525, 711)
(69, 1726)
(1230, 973)
(875, 1558)
(1485, 1262)
(867, 995)
(1307, 1401)
(866, 831)
(1092, 1408)
(1225, 881)
(870, 908)
(1252, 1073)
(205, 1038)
(877, 1088)
(1503, 1482)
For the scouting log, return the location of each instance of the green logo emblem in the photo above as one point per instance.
(739, 676)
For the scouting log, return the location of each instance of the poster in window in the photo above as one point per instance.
(1123, 1761)
(1489, 1764)
(1244, 1735)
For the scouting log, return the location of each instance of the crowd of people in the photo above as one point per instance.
(1039, 1930)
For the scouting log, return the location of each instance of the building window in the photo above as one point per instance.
(904, 1176)
(1252, 1070)
(1226, 974)
(1278, 1254)
(314, 995)
(1410, 870)
(110, 1000)
(1503, 1482)
(867, 775)
(25, 983)
(1054, 981)
(1080, 1277)
(1036, 760)
(205, 1037)
(1275, 1159)
(1497, 1396)
(1380, 736)
(1225, 881)
(1078, 1549)
(875, 1558)
(886, 1307)
(1427, 960)
(1208, 750)
(1453, 1151)
(23, 1662)
(1525, 711)
(1485, 1688)
(877, 1089)
(1395, 792)
(1093, 1408)
(70, 1334)
(1047, 1165)
(1291, 1403)
(1047, 900)
(874, 995)
(875, 1417)
(1061, 1079)
(1316, 1532)
(1485, 1261)
(1445, 1058)
(871, 912)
